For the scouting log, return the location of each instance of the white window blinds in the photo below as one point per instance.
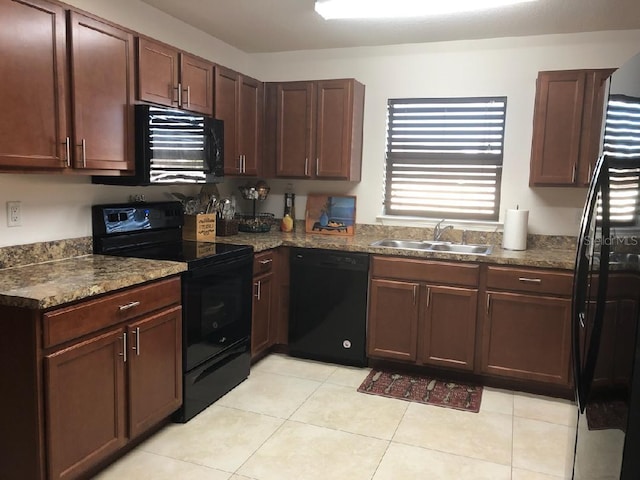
(444, 157)
(622, 143)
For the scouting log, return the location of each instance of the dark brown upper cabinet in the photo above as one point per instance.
(567, 124)
(239, 102)
(71, 83)
(169, 77)
(316, 129)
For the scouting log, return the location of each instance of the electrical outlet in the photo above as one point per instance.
(14, 217)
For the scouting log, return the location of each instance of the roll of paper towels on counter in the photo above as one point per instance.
(515, 230)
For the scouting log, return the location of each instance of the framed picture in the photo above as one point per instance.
(330, 214)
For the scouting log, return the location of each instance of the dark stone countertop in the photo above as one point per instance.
(49, 284)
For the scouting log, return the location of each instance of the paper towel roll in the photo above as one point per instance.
(515, 230)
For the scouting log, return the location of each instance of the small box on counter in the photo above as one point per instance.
(226, 227)
(200, 227)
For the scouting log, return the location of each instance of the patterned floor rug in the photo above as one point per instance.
(423, 389)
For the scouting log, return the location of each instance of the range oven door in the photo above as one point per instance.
(216, 309)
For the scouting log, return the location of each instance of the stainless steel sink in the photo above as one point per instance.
(428, 246)
(404, 244)
(467, 248)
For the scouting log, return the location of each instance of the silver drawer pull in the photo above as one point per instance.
(530, 280)
(267, 261)
(127, 306)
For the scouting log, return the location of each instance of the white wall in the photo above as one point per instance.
(506, 66)
(56, 207)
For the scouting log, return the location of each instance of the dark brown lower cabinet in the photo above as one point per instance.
(85, 402)
(527, 337)
(449, 333)
(87, 379)
(413, 319)
(264, 319)
(155, 369)
(393, 319)
(262, 322)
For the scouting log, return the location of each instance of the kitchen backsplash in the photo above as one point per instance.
(18, 255)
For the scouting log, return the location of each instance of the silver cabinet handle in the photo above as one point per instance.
(188, 90)
(136, 347)
(589, 173)
(124, 347)
(67, 146)
(257, 284)
(428, 296)
(127, 306)
(173, 93)
(317, 166)
(180, 94)
(244, 163)
(488, 303)
(530, 280)
(573, 173)
(306, 167)
(415, 294)
(84, 152)
(266, 261)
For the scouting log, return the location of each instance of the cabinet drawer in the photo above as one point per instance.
(530, 280)
(71, 322)
(262, 262)
(425, 271)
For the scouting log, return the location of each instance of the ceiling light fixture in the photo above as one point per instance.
(336, 9)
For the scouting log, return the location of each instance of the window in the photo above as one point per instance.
(622, 143)
(444, 157)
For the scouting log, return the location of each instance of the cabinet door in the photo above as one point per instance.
(157, 73)
(294, 129)
(85, 404)
(333, 129)
(250, 113)
(527, 337)
(102, 73)
(226, 108)
(393, 319)
(33, 117)
(155, 369)
(449, 328)
(196, 82)
(557, 125)
(261, 324)
(592, 121)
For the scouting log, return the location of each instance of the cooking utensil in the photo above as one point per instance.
(375, 378)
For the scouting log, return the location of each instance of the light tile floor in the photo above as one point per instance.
(295, 419)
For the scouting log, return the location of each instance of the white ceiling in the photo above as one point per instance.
(282, 25)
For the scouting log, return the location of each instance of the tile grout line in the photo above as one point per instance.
(390, 442)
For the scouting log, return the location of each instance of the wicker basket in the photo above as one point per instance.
(226, 228)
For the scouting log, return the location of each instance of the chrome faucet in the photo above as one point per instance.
(438, 230)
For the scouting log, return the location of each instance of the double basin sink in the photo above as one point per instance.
(435, 246)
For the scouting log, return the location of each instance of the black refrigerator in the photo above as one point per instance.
(606, 296)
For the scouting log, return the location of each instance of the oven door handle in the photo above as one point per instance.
(232, 355)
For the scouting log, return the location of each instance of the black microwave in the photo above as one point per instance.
(174, 147)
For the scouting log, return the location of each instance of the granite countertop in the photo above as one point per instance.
(53, 283)
(544, 256)
(50, 282)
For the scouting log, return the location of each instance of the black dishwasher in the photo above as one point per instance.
(328, 306)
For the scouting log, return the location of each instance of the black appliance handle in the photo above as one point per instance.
(584, 375)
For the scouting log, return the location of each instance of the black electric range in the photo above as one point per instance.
(216, 293)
